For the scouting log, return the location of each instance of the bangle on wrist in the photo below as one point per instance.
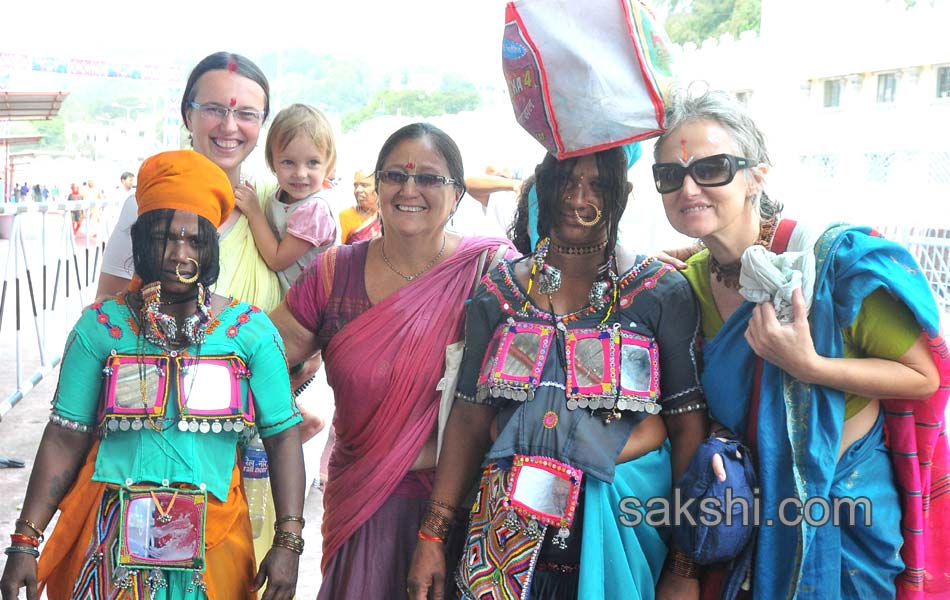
(21, 549)
(18, 539)
(290, 519)
(32, 526)
(447, 507)
(430, 538)
(289, 540)
(436, 521)
(682, 565)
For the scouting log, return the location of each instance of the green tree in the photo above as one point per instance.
(697, 20)
(53, 129)
(453, 97)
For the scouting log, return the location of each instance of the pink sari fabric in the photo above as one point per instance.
(383, 366)
(916, 437)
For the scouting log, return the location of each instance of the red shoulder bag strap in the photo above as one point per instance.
(783, 234)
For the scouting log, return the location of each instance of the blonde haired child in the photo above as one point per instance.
(297, 222)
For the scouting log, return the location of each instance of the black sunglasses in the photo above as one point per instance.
(711, 171)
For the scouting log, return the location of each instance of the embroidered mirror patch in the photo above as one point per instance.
(512, 368)
(125, 394)
(210, 394)
(611, 369)
(545, 489)
(162, 527)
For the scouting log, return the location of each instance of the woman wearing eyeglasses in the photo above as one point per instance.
(224, 106)
(806, 335)
(382, 312)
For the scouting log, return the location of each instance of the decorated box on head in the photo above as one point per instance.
(588, 75)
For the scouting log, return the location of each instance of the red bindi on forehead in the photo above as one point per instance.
(684, 155)
(233, 101)
(410, 165)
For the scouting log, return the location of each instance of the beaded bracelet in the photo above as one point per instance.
(700, 405)
(683, 566)
(19, 538)
(290, 519)
(430, 538)
(69, 424)
(464, 397)
(10, 550)
(31, 525)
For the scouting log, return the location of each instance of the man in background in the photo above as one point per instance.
(488, 206)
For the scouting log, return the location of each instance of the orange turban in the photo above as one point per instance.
(185, 180)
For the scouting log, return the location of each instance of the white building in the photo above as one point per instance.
(854, 98)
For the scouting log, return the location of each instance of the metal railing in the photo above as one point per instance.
(53, 253)
(931, 247)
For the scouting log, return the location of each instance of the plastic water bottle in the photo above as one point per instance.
(256, 483)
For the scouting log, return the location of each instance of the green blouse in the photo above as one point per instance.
(139, 453)
(884, 327)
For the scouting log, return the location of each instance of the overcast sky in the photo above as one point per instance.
(464, 34)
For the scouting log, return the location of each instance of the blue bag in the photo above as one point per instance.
(707, 543)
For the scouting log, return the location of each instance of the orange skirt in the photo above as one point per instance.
(229, 552)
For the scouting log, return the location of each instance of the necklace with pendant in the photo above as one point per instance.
(429, 265)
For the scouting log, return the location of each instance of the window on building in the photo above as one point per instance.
(939, 168)
(943, 82)
(832, 93)
(821, 166)
(886, 87)
(879, 166)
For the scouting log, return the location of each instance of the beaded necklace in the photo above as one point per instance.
(161, 330)
(581, 250)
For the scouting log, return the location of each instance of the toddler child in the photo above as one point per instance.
(296, 223)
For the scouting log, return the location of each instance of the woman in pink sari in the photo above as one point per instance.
(383, 311)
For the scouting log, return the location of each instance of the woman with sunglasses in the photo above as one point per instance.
(579, 359)
(382, 311)
(801, 375)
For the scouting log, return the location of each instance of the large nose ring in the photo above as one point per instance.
(593, 221)
(191, 279)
